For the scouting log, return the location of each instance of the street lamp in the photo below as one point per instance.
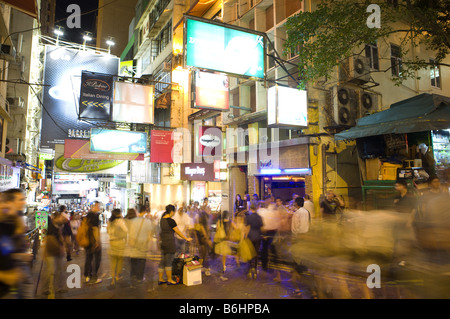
(59, 33)
(110, 42)
(86, 38)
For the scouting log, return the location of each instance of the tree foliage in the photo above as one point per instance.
(332, 33)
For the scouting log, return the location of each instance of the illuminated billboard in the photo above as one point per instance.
(115, 141)
(225, 49)
(96, 96)
(287, 107)
(210, 91)
(133, 103)
(61, 94)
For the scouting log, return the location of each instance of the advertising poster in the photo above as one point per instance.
(211, 91)
(41, 219)
(80, 149)
(161, 146)
(62, 79)
(96, 96)
(70, 165)
(217, 48)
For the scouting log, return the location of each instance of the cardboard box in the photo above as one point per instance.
(192, 273)
(372, 169)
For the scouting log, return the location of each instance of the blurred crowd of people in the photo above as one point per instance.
(263, 233)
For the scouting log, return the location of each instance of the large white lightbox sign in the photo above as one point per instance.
(133, 103)
(287, 107)
(117, 141)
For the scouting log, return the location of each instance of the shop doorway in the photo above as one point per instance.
(283, 186)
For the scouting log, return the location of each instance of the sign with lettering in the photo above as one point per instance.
(197, 172)
(96, 96)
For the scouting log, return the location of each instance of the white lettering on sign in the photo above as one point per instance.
(194, 171)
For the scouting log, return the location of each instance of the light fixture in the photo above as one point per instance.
(110, 42)
(86, 38)
(59, 33)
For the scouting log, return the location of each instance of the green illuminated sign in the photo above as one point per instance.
(46, 156)
(214, 47)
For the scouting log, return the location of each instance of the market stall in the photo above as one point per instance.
(409, 141)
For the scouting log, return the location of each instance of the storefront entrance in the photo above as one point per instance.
(282, 186)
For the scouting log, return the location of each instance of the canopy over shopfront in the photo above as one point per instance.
(424, 112)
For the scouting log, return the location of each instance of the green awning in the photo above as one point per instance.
(424, 112)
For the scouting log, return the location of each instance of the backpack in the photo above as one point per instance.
(83, 234)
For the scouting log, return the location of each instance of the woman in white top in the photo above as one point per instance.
(117, 231)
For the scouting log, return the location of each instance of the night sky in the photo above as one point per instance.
(88, 21)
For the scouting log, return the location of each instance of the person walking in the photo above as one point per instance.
(140, 234)
(67, 233)
(203, 235)
(331, 206)
(255, 223)
(11, 274)
(117, 231)
(53, 254)
(271, 225)
(308, 205)
(168, 229)
(239, 205)
(94, 250)
(16, 202)
(407, 205)
(75, 222)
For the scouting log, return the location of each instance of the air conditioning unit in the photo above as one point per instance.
(13, 146)
(355, 69)
(345, 105)
(15, 102)
(368, 103)
(7, 52)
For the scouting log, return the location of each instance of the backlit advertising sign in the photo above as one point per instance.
(230, 49)
(133, 103)
(63, 68)
(210, 91)
(287, 107)
(116, 141)
(96, 96)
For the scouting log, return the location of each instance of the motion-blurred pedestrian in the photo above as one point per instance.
(94, 250)
(117, 231)
(140, 234)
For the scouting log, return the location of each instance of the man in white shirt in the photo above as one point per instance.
(309, 205)
(271, 225)
(184, 224)
(301, 219)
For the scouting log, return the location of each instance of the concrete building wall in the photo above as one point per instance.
(113, 21)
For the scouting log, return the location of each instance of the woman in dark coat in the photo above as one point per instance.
(167, 241)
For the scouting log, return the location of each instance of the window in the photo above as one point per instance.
(372, 53)
(435, 74)
(396, 60)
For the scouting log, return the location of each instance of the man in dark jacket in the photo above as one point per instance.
(94, 250)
